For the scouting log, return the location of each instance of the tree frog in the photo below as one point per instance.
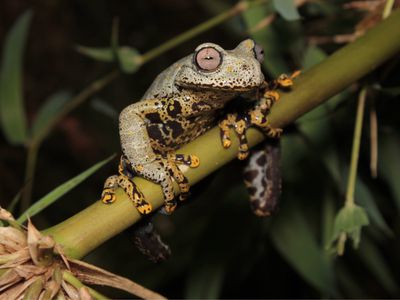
(184, 101)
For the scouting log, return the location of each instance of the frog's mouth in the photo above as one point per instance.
(221, 88)
(242, 78)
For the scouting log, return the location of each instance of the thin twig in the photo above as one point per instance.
(355, 153)
(373, 130)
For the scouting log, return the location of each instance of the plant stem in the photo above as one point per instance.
(86, 230)
(355, 152)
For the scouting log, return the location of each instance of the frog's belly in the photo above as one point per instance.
(171, 135)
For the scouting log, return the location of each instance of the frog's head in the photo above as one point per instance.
(211, 67)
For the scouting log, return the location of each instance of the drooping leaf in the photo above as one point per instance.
(50, 108)
(100, 54)
(375, 262)
(61, 190)
(349, 222)
(12, 110)
(296, 242)
(287, 9)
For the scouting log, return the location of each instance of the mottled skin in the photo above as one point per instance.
(183, 102)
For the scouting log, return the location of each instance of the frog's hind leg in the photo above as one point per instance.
(262, 177)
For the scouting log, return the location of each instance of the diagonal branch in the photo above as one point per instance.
(86, 230)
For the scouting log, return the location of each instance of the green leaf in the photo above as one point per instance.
(376, 263)
(205, 282)
(48, 110)
(60, 191)
(100, 54)
(12, 111)
(287, 9)
(349, 221)
(294, 239)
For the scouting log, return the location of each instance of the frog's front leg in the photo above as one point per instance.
(136, 146)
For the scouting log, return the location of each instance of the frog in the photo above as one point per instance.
(183, 102)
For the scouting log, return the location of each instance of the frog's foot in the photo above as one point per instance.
(110, 185)
(134, 194)
(161, 171)
(285, 81)
(240, 126)
(115, 181)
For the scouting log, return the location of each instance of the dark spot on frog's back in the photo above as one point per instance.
(154, 117)
(174, 109)
(155, 132)
(175, 127)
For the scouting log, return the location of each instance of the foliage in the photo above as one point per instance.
(219, 248)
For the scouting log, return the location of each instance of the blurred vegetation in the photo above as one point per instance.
(59, 109)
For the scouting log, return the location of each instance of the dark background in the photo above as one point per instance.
(220, 250)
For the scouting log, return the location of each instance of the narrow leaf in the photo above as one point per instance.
(52, 106)
(100, 54)
(287, 9)
(12, 111)
(294, 239)
(59, 191)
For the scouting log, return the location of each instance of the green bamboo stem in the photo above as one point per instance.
(86, 230)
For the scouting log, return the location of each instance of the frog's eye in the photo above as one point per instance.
(208, 59)
(259, 53)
